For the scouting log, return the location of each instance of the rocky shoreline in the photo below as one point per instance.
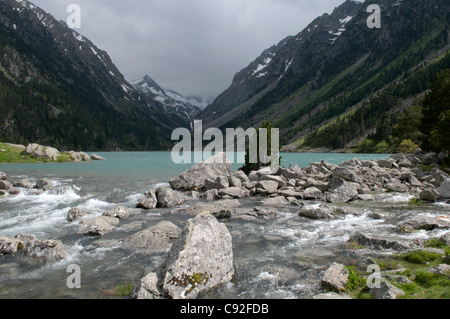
(200, 256)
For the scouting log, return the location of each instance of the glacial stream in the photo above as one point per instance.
(283, 257)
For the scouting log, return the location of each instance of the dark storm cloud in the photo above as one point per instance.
(192, 46)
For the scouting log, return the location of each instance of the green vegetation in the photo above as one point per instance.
(416, 201)
(123, 290)
(420, 257)
(255, 166)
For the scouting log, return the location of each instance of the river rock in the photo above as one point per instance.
(291, 172)
(96, 157)
(157, 238)
(220, 209)
(149, 201)
(312, 193)
(98, 226)
(119, 212)
(147, 288)
(202, 258)
(335, 278)
(218, 183)
(9, 246)
(6, 185)
(76, 213)
(385, 291)
(425, 223)
(323, 211)
(274, 201)
(430, 195)
(42, 250)
(194, 178)
(348, 174)
(344, 193)
(444, 189)
(24, 183)
(267, 186)
(44, 183)
(168, 197)
(234, 192)
(256, 213)
(377, 243)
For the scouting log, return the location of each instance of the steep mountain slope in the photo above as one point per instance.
(58, 88)
(333, 66)
(168, 100)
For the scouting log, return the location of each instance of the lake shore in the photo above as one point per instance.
(283, 225)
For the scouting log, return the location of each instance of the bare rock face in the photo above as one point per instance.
(201, 259)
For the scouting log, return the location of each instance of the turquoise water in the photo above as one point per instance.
(158, 166)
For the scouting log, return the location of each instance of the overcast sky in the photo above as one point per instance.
(191, 46)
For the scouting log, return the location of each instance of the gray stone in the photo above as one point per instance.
(194, 178)
(268, 185)
(118, 212)
(377, 243)
(44, 184)
(168, 197)
(157, 238)
(425, 223)
(323, 211)
(220, 209)
(444, 189)
(335, 278)
(98, 226)
(76, 213)
(385, 291)
(24, 183)
(234, 192)
(430, 195)
(149, 201)
(218, 183)
(96, 157)
(201, 259)
(147, 288)
(312, 193)
(347, 174)
(344, 193)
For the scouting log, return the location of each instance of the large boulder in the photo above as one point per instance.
(194, 178)
(424, 223)
(430, 195)
(201, 259)
(30, 246)
(219, 209)
(76, 213)
(234, 192)
(39, 151)
(98, 226)
(347, 174)
(157, 238)
(149, 201)
(323, 211)
(344, 193)
(444, 189)
(335, 278)
(377, 243)
(168, 197)
(118, 212)
(385, 291)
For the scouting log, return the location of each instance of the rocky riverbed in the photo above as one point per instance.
(274, 233)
